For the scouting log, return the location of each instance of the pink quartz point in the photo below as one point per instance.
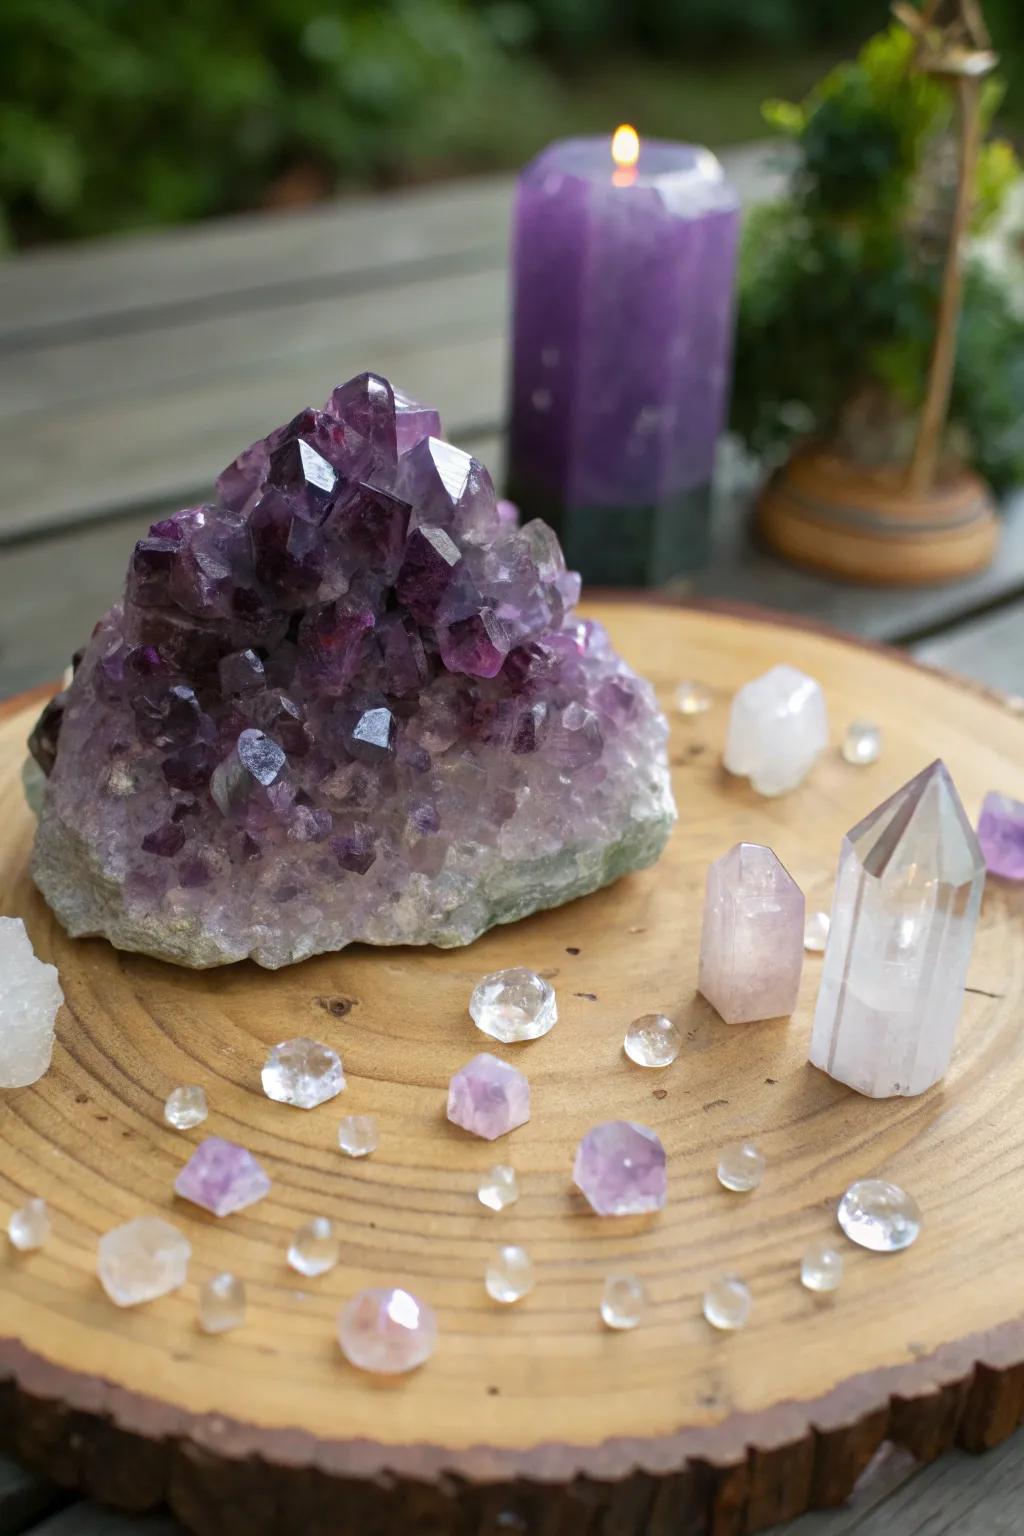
(1001, 835)
(387, 1330)
(620, 1167)
(222, 1177)
(752, 942)
(488, 1097)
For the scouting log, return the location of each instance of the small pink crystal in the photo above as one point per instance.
(387, 1331)
(488, 1097)
(620, 1167)
(221, 1177)
(1001, 835)
(752, 943)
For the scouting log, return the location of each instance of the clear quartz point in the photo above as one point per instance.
(186, 1107)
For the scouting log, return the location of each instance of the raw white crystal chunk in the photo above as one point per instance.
(30, 996)
(141, 1260)
(903, 919)
(778, 728)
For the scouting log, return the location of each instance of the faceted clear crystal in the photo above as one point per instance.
(904, 913)
(29, 1227)
(387, 1331)
(222, 1177)
(623, 1301)
(816, 932)
(821, 1268)
(652, 1040)
(141, 1260)
(303, 1072)
(693, 698)
(357, 1135)
(186, 1107)
(621, 1168)
(878, 1215)
(222, 1304)
(498, 1187)
(862, 743)
(30, 997)
(315, 1248)
(488, 1097)
(727, 1303)
(740, 1167)
(509, 1275)
(1001, 835)
(778, 728)
(752, 940)
(513, 1005)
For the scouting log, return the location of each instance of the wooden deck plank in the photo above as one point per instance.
(24, 1498)
(990, 649)
(88, 1519)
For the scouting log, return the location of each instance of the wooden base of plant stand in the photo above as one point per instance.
(823, 511)
(533, 1418)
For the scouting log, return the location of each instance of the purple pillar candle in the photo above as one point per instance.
(622, 338)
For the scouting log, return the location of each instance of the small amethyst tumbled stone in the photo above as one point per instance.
(488, 1097)
(620, 1167)
(347, 701)
(222, 1177)
(1001, 835)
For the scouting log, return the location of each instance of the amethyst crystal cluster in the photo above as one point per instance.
(348, 701)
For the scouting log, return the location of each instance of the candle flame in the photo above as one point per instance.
(625, 146)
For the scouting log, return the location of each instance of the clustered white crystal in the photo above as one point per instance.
(30, 998)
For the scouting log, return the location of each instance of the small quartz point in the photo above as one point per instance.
(878, 1215)
(862, 743)
(30, 997)
(904, 913)
(514, 1005)
(741, 1167)
(30, 1227)
(302, 1072)
(488, 1097)
(498, 1188)
(1001, 835)
(387, 1331)
(315, 1247)
(509, 1275)
(727, 1303)
(222, 1304)
(693, 698)
(652, 1040)
(357, 1135)
(621, 1168)
(816, 933)
(778, 728)
(222, 1178)
(752, 940)
(821, 1268)
(623, 1302)
(186, 1107)
(141, 1260)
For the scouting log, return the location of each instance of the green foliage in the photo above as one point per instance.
(839, 282)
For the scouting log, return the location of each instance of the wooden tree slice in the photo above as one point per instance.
(534, 1418)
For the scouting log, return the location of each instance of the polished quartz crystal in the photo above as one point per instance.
(498, 1187)
(30, 996)
(141, 1260)
(621, 1168)
(727, 1303)
(357, 1135)
(387, 1331)
(513, 1005)
(222, 1303)
(878, 1215)
(186, 1107)
(862, 743)
(821, 1268)
(904, 913)
(778, 728)
(652, 1040)
(303, 1072)
(693, 698)
(222, 1177)
(1001, 835)
(315, 1247)
(30, 1226)
(623, 1301)
(752, 939)
(509, 1274)
(488, 1097)
(741, 1167)
(816, 932)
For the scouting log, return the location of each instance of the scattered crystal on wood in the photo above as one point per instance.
(222, 1177)
(862, 743)
(906, 904)
(741, 1167)
(514, 1005)
(623, 1302)
(816, 932)
(222, 1303)
(488, 1097)
(778, 728)
(186, 1107)
(509, 1275)
(29, 1227)
(821, 1268)
(652, 1040)
(141, 1260)
(498, 1187)
(1001, 835)
(693, 698)
(315, 1247)
(357, 1135)
(387, 1331)
(621, 1168)
(302, 1072)
(727, 1303)
(30, 998)
(879, 1215)
(752, 939)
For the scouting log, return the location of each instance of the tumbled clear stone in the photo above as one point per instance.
(315, 1248)
(652, 1040)
(862, 742)
(740, 1167)
(778, 728)
(751, 942)
(620, 1167)
(302, 1072)
(623, 1301)
(222, 1304)
(821, 1268)
(29, 1000)
(513, 1005)
(693, 698)
(509, 1275)
(878, 1215)
(222, 1177)
(498, 1187)
(29, 1227)
(186, 1107)
(488, 1097)
(816, 932)
(727, 1303)
(357, 1135)
(387, 1331)
(141, 1260)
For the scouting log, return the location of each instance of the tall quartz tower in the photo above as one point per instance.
(903, 919)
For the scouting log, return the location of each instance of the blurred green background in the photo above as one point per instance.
(118, 114)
